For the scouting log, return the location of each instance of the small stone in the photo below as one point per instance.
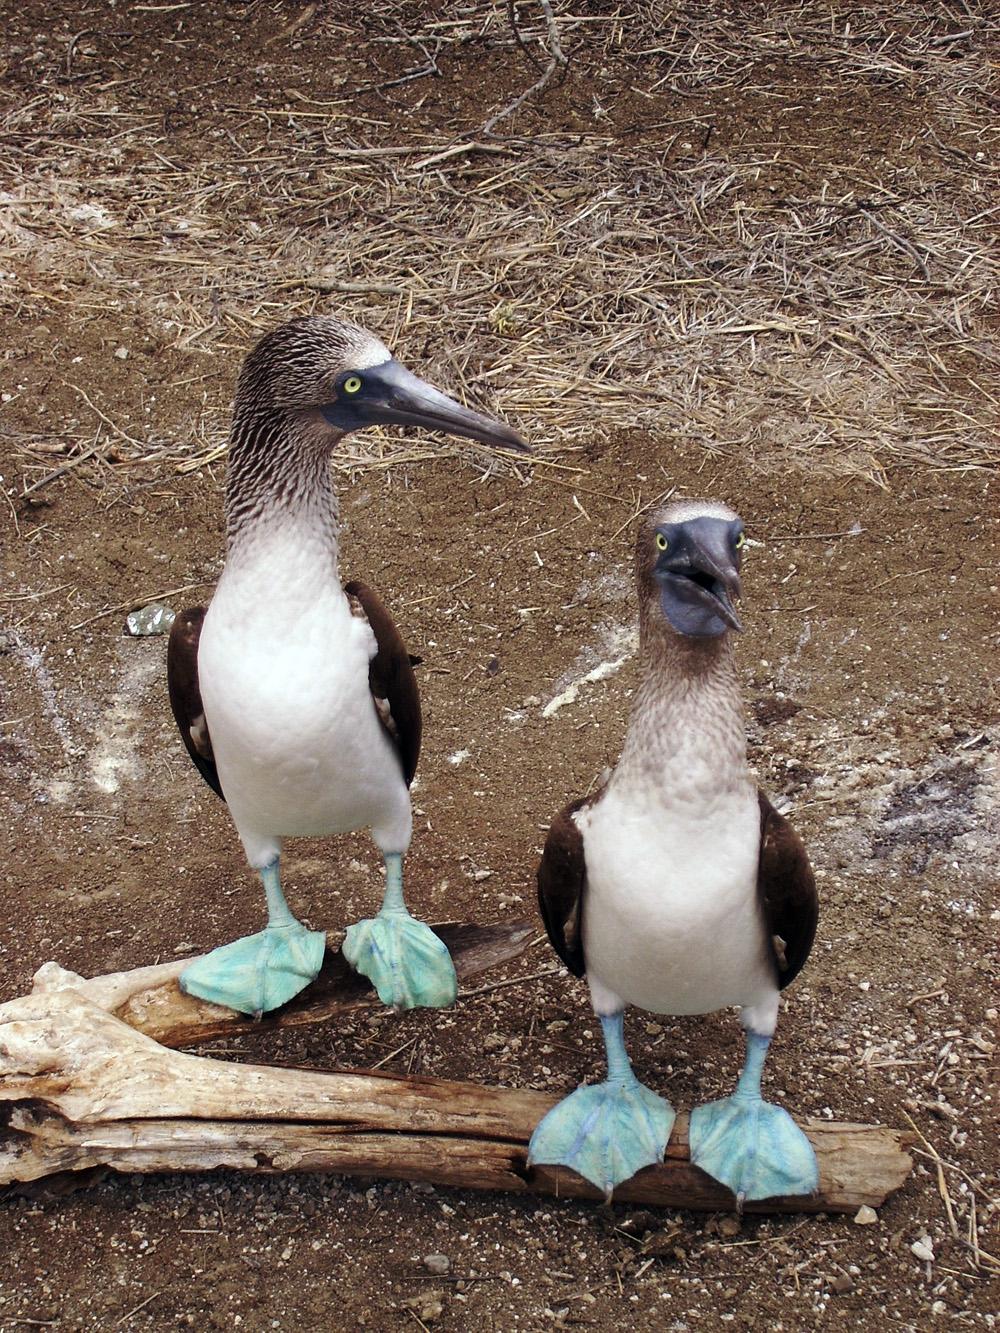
(427, 1306)
(439, 1264)
(842, 1284)
(121, 353)
(923, 1249)
(494, 1041)
(152, 619)
(636, 1224)
(663, 1244)
(532, 701)
(865, 1216)
(729, 1225)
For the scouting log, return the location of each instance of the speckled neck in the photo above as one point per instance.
(278, 477)
(687, 728)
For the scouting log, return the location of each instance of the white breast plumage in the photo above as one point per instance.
(671, 921)
(284, 680)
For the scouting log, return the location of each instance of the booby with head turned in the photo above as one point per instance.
(294, 693)
(678, 887)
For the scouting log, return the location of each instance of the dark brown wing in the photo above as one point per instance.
(562, 877)
(185, 696)
(390, 675)
(787, 892)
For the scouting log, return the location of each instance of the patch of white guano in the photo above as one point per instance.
(59, 791)
(114, 758)
(33, 660)
(92, 215)
(616, 644)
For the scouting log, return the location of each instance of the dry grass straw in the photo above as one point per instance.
(579, 283)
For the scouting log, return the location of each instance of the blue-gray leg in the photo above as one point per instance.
(405, 961)
(753, 1147)
(608, 1131)
(263, 971)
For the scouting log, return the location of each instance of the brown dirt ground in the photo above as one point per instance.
(869, 660)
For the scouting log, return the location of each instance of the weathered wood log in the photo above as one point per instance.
(150, 1000)
(81, 1089)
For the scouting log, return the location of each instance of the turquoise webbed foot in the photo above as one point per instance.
(606, 1132)
(405, 961)
(751, 1146)
(260, 972)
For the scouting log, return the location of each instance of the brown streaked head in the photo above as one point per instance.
(333, 377)
(688, 558)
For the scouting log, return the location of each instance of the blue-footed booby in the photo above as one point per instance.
(294, 694)
(678, 887)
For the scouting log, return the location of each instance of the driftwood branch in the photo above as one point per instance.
(81, 1089)
(149, 999)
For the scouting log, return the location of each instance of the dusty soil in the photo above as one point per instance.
(869, 661)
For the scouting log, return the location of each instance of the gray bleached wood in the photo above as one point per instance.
(80, 1088)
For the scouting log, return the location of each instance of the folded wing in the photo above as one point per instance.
(185, 694)
(391, 679)
(786, 890)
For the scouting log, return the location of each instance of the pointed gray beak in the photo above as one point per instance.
(393, 396)
(699, 577)
(711, 559)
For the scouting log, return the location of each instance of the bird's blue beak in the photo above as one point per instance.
(390, 395)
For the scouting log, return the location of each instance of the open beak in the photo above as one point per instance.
(715, 591)
(699, 579)
(395, 397)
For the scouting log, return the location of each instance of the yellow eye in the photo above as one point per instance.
(740, 540)
(352, 384)
(661, 542)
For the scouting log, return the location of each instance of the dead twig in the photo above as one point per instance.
(557, 60)
(135, 602)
